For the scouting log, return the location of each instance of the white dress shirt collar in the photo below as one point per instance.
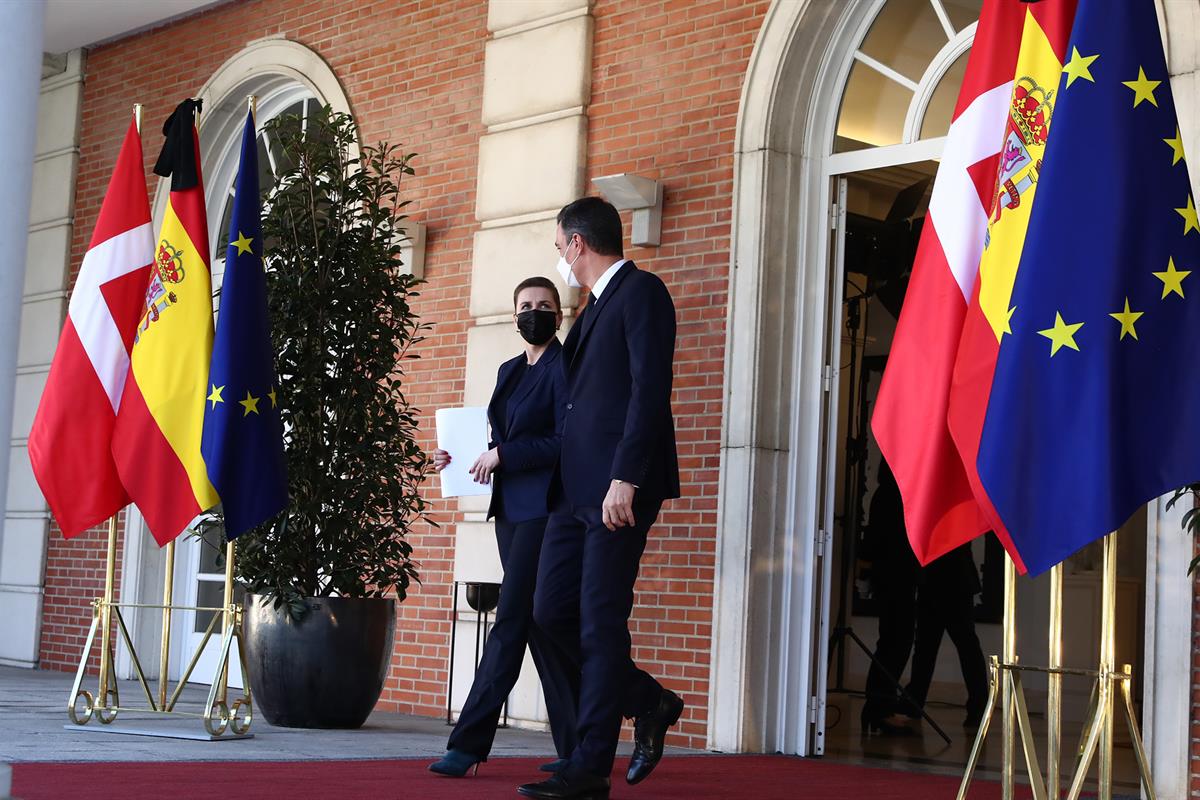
(603, 280)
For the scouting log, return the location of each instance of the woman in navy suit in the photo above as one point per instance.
(526, 415)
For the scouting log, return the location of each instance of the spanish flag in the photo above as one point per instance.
(156, 441)
(1046, 28)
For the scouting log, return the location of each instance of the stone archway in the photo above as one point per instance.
(767, 582)
(770, 499)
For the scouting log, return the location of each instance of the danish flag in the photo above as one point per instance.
(71, 441)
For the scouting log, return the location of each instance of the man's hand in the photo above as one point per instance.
(485, 465)
(618, 505)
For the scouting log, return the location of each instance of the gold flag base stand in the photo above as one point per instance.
(1006, 686)
(218, 715)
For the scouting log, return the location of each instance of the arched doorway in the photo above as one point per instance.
(832, 88)
(814, 62)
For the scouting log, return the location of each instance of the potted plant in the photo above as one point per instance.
(323, 578)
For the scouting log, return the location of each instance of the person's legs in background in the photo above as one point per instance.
(896, 601)
(931, 625)
(960, 624)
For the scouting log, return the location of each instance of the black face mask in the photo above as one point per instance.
(537, 326)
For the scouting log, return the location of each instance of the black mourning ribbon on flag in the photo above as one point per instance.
(178, 160)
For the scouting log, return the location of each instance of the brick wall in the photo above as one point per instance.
(666, 85)
(74, 578)
(413, 74)
(667, 79)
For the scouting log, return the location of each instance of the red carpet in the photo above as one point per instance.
(677, 778)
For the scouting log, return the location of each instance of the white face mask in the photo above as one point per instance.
(566, 271)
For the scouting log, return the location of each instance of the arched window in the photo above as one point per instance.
(289, 98)
(286, 78)
(906, 73)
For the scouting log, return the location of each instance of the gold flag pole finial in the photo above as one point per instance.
(252, 102)
(137, 116)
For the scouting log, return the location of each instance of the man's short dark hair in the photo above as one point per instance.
(541, 283)
(597, 223)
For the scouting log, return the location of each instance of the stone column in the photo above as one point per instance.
(43, 226)
(21, 42)
(537, 84)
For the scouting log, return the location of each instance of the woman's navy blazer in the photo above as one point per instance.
(532, 435)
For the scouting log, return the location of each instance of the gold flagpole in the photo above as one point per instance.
(1006, 681)
(165, 648)
(1001, 693)
(1054, 690)
(110, 568)
(1009, 657)
(110, 571)
(227, 621)
(1108, 661)
(1098, 732)
(230, 548)
(169, 569)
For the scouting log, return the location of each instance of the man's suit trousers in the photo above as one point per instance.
(583, 600)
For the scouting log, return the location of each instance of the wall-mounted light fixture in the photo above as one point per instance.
(412, 248)
(643, 196)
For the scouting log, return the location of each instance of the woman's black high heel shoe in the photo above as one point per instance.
(455, 764)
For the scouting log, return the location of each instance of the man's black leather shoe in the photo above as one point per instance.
(569, 784)
(649, 731)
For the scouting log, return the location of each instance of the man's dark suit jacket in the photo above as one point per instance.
(531, 431)
(618, 360)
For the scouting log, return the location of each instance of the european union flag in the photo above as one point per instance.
(243, 436)
(1093, 408)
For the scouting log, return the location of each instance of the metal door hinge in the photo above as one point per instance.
(827, 377)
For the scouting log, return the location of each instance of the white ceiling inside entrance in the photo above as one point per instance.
(80, 23)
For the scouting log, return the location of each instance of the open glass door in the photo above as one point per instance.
(202, 561)
(829, 439)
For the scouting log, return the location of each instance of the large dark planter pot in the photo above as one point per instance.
(325, 671)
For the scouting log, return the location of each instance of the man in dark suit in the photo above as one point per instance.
(617, 466)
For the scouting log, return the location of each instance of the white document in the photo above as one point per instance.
(463, 433)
